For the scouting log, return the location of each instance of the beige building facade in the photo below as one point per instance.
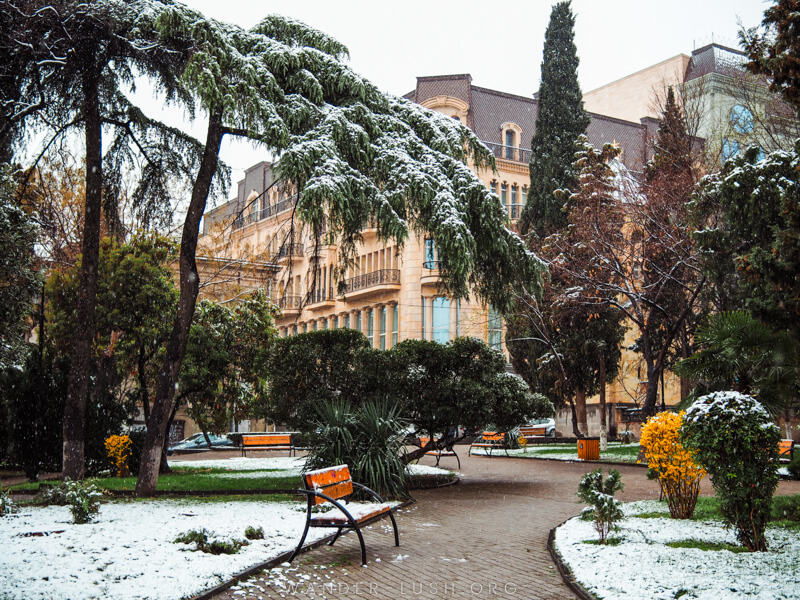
(389, 293)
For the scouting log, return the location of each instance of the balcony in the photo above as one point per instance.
(320, 299)
(289, 253)
(290, 305)
(282, 205)
(520, 155)
(375, 282)
(430, 273)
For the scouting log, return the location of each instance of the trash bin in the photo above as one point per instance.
(589, 448)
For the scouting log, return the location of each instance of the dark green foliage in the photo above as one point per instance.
(316, 368)
(31, 408)
(743, 354)
(748, 227)
(463, 383)
(20, 281)
(224, 373)
(254, 533)
(774, 53)
(369, 439)
(794, 467)
(604, 510)
(560, 121)
(734, 439)
(199, 537)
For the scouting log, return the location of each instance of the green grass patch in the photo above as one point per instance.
(612, 541)
(785, 511)
(194, 480)
(615, 452)
(706, 546)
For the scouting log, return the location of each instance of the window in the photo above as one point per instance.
(324, 323)
(493, 186)
(524, 198)
(730, 148)
(514, 208)
(382, 342)
(431, 255)
(458, 316)
(510, 144)
(371, 327)
(335, 321)
(305, 327)
(741, 118)
(495, 336)
(504, 195)
(441, 320)
(395, 324)
(346, 323)
(358, 321)
(314, 326)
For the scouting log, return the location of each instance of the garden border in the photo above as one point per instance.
(282, 558)
(563, 570)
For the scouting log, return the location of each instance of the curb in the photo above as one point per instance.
(563, 569)
(282, 558)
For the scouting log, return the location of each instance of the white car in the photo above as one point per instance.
(548, 424)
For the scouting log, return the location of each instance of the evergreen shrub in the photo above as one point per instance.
(733, 437)
(605, 510)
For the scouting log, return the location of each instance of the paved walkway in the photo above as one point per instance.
(483, 538)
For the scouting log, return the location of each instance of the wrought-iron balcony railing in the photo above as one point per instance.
(319, 295)
(280, 206)
(290, 250)
(509, 152)
(375, 278)
(290, 302)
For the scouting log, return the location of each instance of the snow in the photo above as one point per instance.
(128, 551)
(643, 566)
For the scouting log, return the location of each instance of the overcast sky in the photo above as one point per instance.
(498, 42)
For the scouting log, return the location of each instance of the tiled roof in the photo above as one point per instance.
(490, 109)
(714, 59)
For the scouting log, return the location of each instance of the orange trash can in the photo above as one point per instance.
(589, 449)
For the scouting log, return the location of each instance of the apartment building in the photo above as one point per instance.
(393, 294)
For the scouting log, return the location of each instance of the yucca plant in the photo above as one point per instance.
(368, 439)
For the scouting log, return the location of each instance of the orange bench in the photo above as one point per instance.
(491, 440)
(439, 454)
(332, 485)
(532, 431)
(786, 450)
(268, 441)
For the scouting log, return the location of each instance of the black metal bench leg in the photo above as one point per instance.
(458, 459)
(335, 537)
(300, 545)
(396, 533)
(363, 548)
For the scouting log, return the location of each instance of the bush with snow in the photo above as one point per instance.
(7, 505)
(605, 510)
(83, 499)
(733, 437)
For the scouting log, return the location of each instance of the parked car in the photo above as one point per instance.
(198, 443)
(548, 424)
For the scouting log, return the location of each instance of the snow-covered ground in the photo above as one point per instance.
(643, 566)
(129, 553)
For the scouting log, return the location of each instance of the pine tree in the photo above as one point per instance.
(560, 121)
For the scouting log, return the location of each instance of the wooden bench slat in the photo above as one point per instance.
(337, 519)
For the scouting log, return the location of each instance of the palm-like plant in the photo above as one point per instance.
(743, 354)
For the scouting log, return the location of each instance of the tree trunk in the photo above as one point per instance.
(651, 392)
(580, 406)
(603, 421)
(575, 429)
(78, 384)
(189, 286)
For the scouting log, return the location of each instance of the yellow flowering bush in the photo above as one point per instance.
(119, 451)
(672, 464)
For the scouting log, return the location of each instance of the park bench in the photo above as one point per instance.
(530, 432)
(268, 441)
(439, 454)
(332, 485)
(490, 440)
(786, 450)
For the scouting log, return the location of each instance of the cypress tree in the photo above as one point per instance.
(560, 121)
